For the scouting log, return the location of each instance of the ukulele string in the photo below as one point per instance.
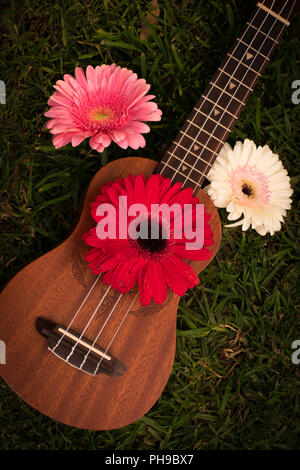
(116, 332)
(91, 318)
(189, 125)
(88, 323)
(238, 86)
(182, 185)
(233, 95)
(77, 312)
(249, 46)
(102, 328)
(122, 321)
(268, 15)
(118, 328)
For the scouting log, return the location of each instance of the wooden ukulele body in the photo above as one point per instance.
(53, 287)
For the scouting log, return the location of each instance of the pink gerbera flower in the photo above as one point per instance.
(107, 104)
(153, 264)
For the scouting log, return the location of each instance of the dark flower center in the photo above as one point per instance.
(246, 189)
(152, 245)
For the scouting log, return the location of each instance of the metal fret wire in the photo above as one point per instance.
(98, 306)
(268, 14)
(194, 139)
(166, 164)
(233, 96)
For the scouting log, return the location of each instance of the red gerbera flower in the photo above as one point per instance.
(154, 263)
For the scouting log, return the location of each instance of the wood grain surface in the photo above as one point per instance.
(53, 287)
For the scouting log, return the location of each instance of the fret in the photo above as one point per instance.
(181, 152)
(212, 137)
(203, 125)
(213, 120)
(185, 163)
(179, 173)
(251, 49)
(218, 125)
(186, 159)
(196, 145)
(273, 13)
(234, 81)
(208, 123)
(259, 30)
(169, 172)
(247, 66)
(283, 8)
(200, 139)
(217, 106)
(187, 144)
(226, 93)
(249, 56)
(191, 159)
(232, 86)
(227, 101)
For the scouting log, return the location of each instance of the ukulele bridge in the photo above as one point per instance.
(78, 351)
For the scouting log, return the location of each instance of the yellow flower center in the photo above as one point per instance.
(102, 115)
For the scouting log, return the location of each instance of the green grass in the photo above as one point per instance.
(233, 385)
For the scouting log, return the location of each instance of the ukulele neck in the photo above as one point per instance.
(207, 127)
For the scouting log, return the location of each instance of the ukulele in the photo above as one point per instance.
(47, 306)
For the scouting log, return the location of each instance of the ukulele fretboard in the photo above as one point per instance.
(207, 127)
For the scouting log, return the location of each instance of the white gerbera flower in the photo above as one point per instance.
(250, 182)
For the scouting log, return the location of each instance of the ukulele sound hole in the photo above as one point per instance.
(78, 351)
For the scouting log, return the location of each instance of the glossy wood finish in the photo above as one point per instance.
(54, 286)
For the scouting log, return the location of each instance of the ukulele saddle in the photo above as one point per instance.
(78, 351)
